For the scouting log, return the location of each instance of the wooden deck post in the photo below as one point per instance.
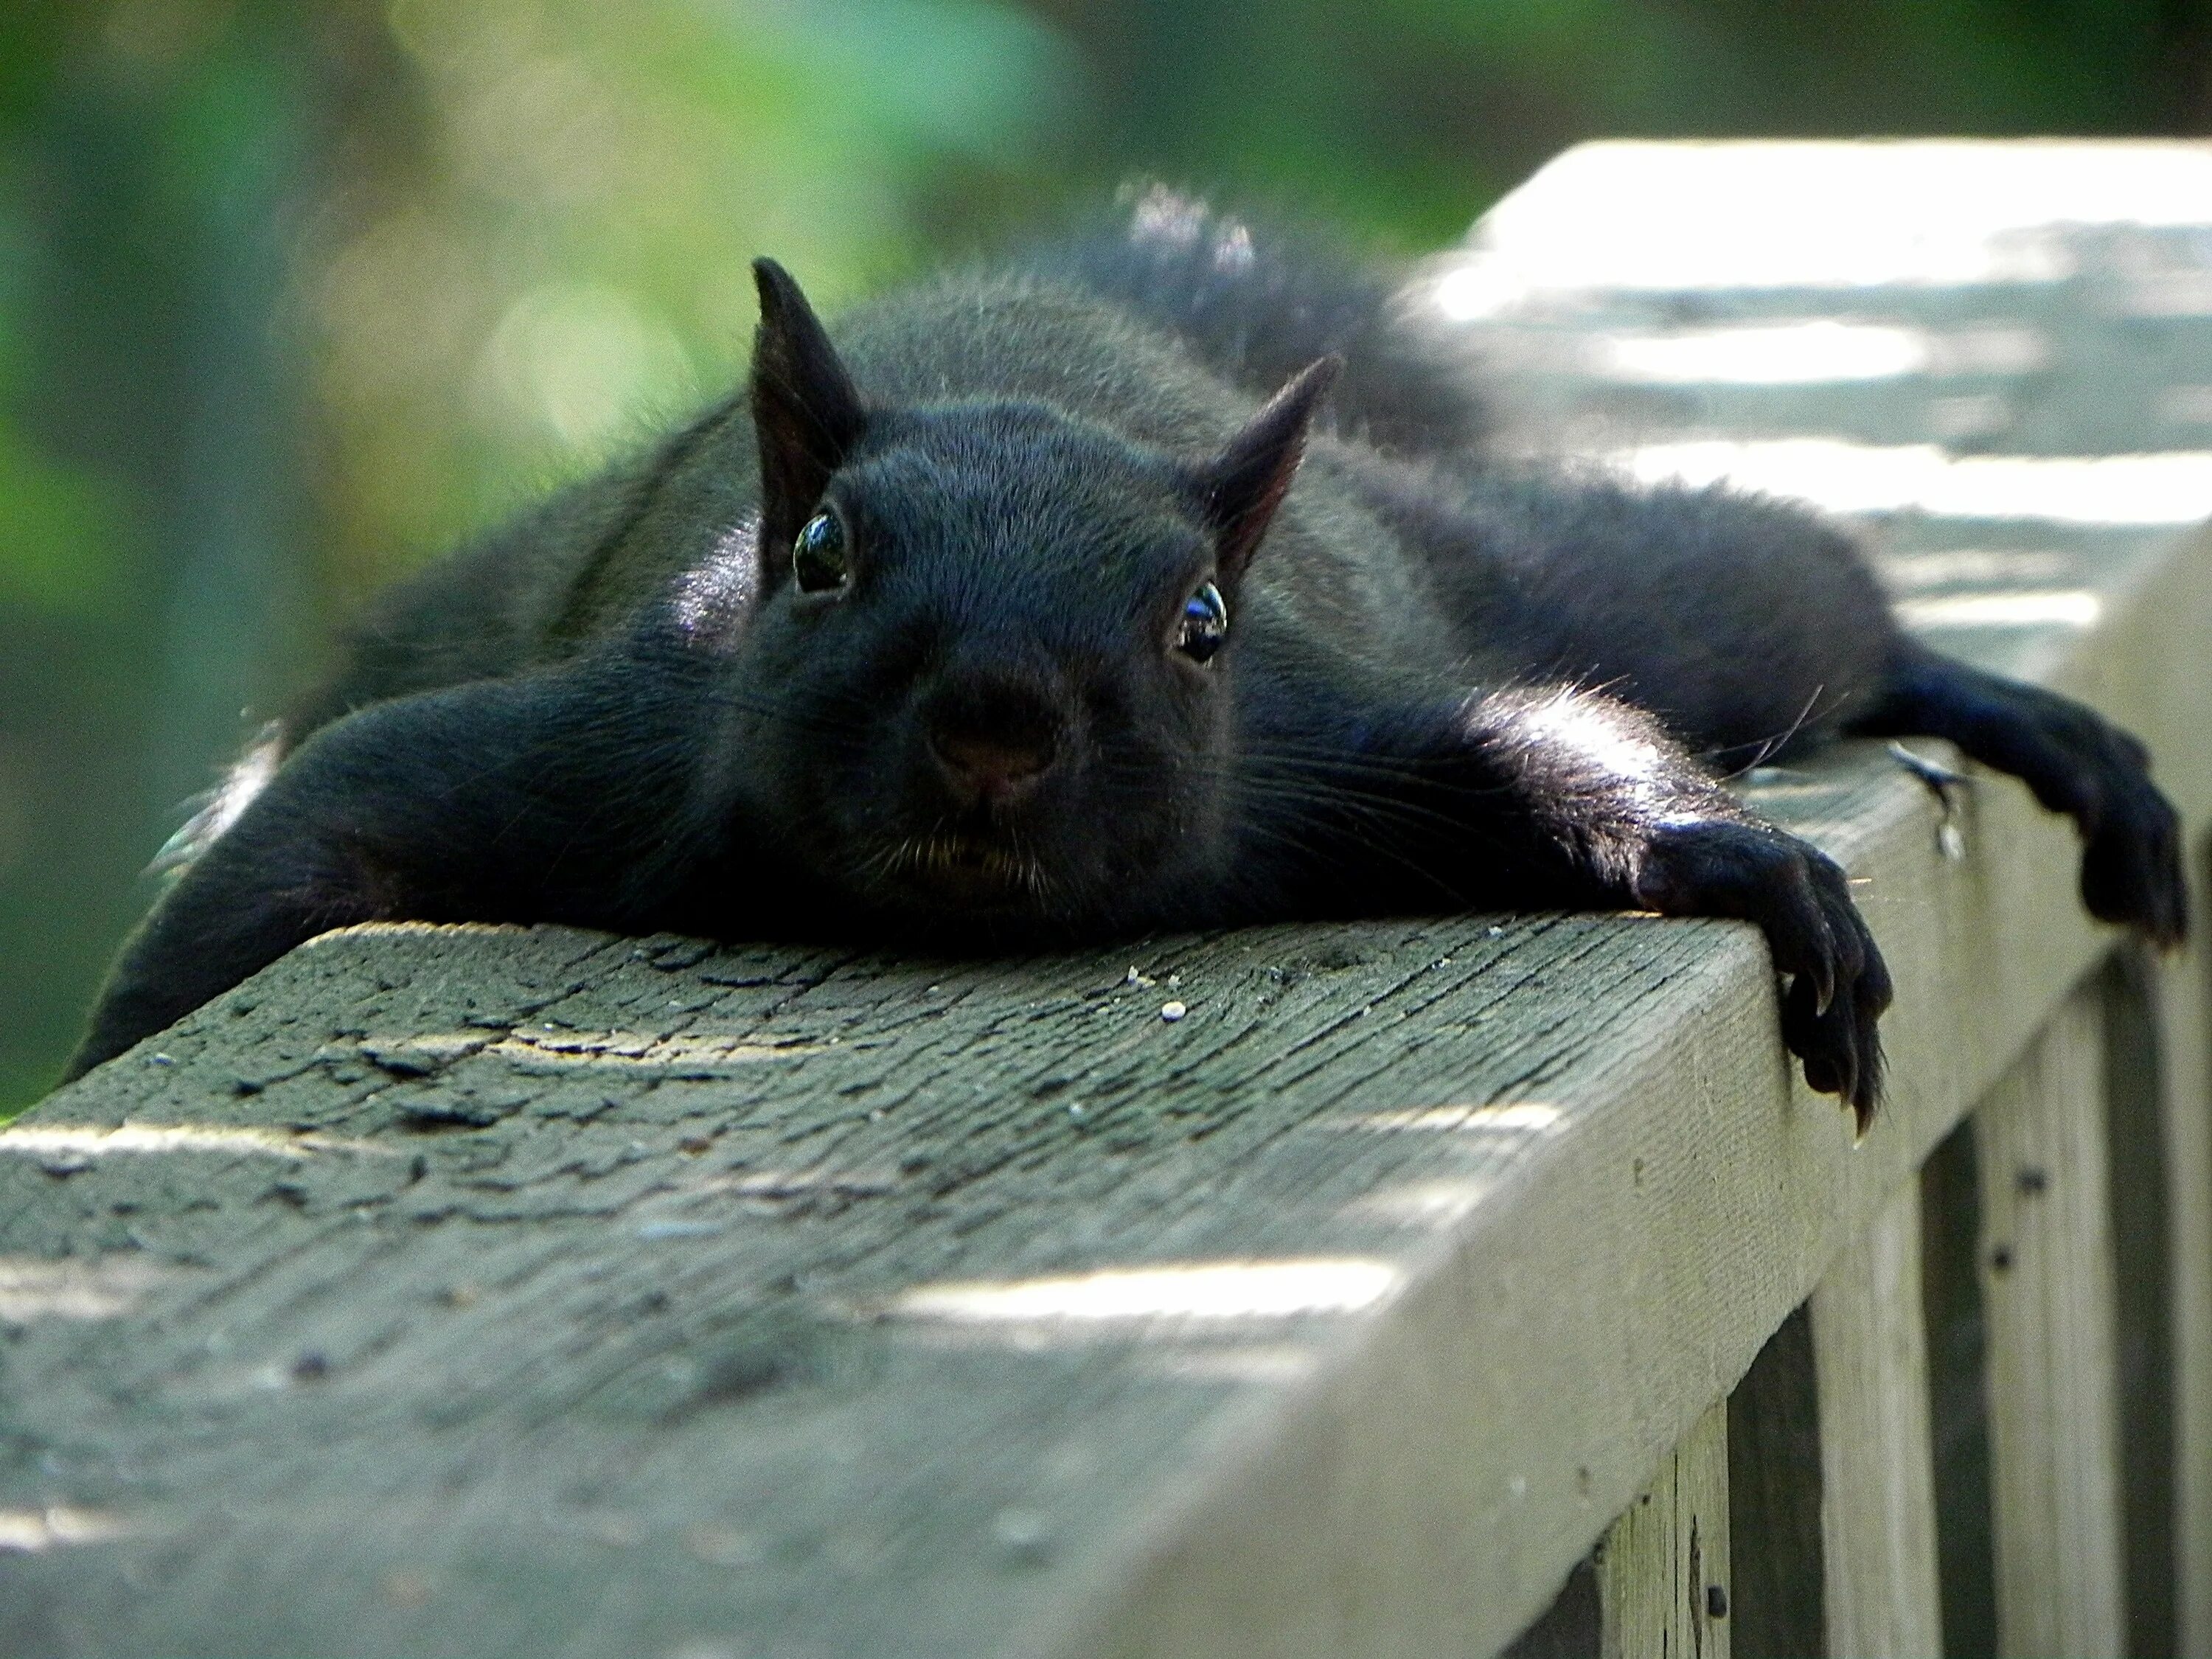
(2047, 1286)
(1877, 1504)
(2182, 988)
(1663, 1584)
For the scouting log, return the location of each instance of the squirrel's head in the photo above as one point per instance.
(988, 664)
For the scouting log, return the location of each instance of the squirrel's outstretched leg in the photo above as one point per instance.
(2073, 759)
(562, 796)
(1754, 627)
(1559, 796)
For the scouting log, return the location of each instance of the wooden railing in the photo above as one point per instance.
(1985, 1428)
(495, 1291)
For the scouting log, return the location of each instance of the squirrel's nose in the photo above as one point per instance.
(993, 741)
(989, 769)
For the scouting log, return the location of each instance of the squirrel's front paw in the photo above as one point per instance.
(1798, 896)
(2131, 869)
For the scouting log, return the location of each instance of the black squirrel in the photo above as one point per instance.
(1061, 601)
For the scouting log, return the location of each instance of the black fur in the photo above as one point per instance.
(1440, 685)
(1257, 308)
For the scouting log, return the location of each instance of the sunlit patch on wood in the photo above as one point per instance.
(33, 1288)
(1198, 1289)
(640, 1048)
(1987, 567)
(58, 1526)
(1263, 1365)
(2173, 487)
(47, 1141)
(1519, 1117)
(1437, 1202)
(2070, 607)
(1637, 216)
(692, 1053)
(1821, 351)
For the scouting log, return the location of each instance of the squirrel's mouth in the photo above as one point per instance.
(966, 869)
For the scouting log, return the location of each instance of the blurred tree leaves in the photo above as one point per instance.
(58, 533)
(555, 249)
(291, 296)
(1404, 116)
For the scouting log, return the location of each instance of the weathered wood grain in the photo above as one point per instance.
(1958, 1388)
(1878, 1509)
(2181, 990)
(1777, 1606)
(1663, 1570)
(2047, 1285)
(2142, 1194)
(486, 1292)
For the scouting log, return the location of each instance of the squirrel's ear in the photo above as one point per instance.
(805, 410)
(1244, 485)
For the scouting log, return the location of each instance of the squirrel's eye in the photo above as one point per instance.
(818, 556)
(1205, 623)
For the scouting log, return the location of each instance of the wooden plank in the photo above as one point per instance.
(1958, 1391)
(1663, 1570)
(1774, 1501)
(2182, 990)
(2141, 1184)
(1877, 1500)
(772, 1274)
(2047, 1286)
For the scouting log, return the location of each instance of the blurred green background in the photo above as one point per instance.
(292, 295)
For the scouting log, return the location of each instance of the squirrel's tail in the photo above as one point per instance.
(1257, 304)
